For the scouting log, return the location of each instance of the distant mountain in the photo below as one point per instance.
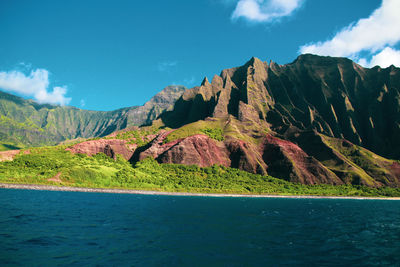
(162, 101)
(27, 123)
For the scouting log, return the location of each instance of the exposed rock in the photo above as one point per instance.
(55, 178)
(162, 101)
(248, 113)
(110, 147)
(155, 147)
(245, 156)
(275, 156)
(8, 155)
(288, 161)
(197, 149)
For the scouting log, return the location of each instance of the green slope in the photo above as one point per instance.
(55, 166)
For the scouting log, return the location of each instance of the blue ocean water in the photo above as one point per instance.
(44, 228)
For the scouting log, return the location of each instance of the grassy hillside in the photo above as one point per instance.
(55, 166)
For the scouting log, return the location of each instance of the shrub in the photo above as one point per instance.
(214, 133)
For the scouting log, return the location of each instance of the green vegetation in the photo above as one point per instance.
(140, 136)
(100, 171)
(211, 128)
(46, 162)
(214, 133)
(246, 131)
(366, 164)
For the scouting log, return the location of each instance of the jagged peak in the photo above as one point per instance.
(254, 62)
(227, 81)
(205, 82)
(392, 67)
(166, 93)
(228, 72)
(190, 93)
(273, 65)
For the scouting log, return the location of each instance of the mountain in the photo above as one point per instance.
(334, 96)
(316, 120)
(27, 123)
(162, 101)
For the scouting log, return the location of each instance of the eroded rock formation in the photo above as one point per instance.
(110, 147)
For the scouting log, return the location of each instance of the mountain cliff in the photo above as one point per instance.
(27, 123)
(316, 120)
(333, 96)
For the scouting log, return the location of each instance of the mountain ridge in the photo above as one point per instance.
(330, 95)
(28, 123)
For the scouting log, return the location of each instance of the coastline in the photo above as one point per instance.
(144, 192)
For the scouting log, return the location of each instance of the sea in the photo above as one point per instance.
(49, 228)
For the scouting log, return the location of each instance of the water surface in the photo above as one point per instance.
(47, 228)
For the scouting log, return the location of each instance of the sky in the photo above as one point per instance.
(109, 54)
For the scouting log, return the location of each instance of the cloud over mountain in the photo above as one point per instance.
(376, 35)
(34, 85)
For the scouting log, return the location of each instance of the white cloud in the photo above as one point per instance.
(35, 84)
(265, 10)
(165, 66)
(373, 35)
(82, 103)
(384, 59)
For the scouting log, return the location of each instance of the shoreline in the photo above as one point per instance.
(144, 192)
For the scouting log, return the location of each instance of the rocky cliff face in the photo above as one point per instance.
(197, 149)
(159, 103)
(309, 121)
(334, 96)
(110, 147)
(274, 156)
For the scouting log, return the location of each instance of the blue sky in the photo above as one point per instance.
(104, 55)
